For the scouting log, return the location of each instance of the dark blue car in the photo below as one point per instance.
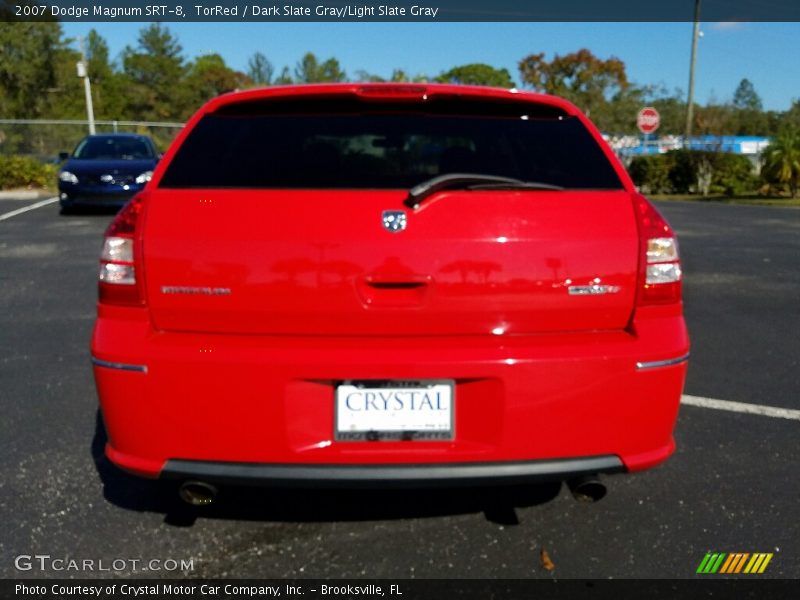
(106, 170)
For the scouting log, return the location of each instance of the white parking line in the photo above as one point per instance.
(742, 407)
(24, 209)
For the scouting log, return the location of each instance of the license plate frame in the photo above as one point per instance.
(432, 420)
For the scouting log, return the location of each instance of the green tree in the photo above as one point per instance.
(310, 70)
(155, 70)
(580, 77)
(715, 119)
(208, 76)
(748, 121)
(477, 74)
(618, 115)
(28, 68)
(775, 120)
(782, 159)
(790, 118)
(672, 110)
(400, 76)
(285, 78)
(748, 117)
(367, 77)
(37, 80)
(108, 85)
(260, 70)
(97, 57)
(66, 99)
(745, 96)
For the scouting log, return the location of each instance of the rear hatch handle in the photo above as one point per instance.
(393, 291)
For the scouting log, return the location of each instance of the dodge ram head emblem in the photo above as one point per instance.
(394, 220)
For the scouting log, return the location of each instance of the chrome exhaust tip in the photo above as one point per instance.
(197, 493)
(587, 488)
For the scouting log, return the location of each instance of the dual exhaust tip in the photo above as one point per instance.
(584, 489)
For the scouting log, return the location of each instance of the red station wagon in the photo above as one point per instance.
(372, 284)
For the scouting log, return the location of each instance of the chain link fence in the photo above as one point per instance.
(43, 139)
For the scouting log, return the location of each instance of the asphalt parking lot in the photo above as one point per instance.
(732, 485)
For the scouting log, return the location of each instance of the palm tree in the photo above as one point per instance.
(782, 159)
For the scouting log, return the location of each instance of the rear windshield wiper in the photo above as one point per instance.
(418, 193)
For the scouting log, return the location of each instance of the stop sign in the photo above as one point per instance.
(648, 120)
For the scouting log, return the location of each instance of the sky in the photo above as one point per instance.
(654, 53)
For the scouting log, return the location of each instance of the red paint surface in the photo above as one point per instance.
(475, 290)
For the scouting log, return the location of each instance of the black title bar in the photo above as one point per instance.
(265, 11)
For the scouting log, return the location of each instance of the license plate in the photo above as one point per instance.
(394, 410)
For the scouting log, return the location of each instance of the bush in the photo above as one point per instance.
(733, 175)
(685, 171)
(652, 173)
(689, 171)
(23, 171)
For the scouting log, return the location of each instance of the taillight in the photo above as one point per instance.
(660, 265)
(117, 276)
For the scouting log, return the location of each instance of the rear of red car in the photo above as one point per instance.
(392, 284)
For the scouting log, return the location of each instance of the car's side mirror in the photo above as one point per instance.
(62, 156)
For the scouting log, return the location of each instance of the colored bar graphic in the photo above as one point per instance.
(765, 563)
(732, 563)
(716, 565)
(732, 559)
(741, 563)
(758, 563)
(704, 563)
(753, 564)
(711, 563)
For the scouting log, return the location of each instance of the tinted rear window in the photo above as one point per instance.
(357, 145)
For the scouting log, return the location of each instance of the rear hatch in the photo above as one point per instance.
(287, 219)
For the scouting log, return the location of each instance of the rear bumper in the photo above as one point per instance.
(354, 476)
(262, 408)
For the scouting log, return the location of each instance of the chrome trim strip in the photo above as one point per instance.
(121, 366)
(662, 363)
